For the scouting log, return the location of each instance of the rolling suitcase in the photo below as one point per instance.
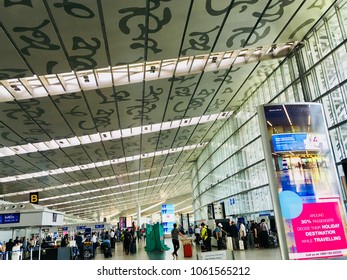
(187, 250)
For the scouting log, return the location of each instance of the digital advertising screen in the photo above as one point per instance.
(123, 222)
(303, 180)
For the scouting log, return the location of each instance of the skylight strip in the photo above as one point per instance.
(107, 136)
(106, 210)
(114, 187)
(63, 83)
(101, 196)
(103, 163)
(96, 205)
(102, 179)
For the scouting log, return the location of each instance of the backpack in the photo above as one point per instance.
(209, 232)
(214, 234)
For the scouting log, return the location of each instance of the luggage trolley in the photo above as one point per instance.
(87, 250)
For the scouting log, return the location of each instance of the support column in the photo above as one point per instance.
(138, 217)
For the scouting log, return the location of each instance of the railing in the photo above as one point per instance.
(18, 254)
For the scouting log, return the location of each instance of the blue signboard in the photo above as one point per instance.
(232, 201)
(64, 228)
(167, 209)
(9, 218)
(99, 226)
(80, 227)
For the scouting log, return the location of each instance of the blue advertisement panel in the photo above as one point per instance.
(13, 218)
(303, 181)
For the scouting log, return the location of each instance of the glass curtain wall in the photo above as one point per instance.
(232, 168)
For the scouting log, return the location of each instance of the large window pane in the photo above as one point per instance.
(339, 105)
(335, 141)
(328, 110)
(286, 74)
(321, 79)
(341, 59)
(323, 39)
(313, 50)
(343, 11)
(334, 30)
(330, 71)
(343, 131)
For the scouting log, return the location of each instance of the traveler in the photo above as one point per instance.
(79, 244)
(127, 239)
(263, 234)
(64, 241)
(16, 250)
(253, 235)
(206, 235)
(95, 243)
(234, 234)
(113, 239)
(197, 232)
(107, 245)
(242, 233)
(175, 241)
(219, 236)
(9, 247)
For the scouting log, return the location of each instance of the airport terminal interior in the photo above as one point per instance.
(140, 115)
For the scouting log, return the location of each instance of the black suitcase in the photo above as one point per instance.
(133, 248)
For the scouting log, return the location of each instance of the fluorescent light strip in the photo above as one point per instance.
(112, 188)
(102, 179)
(108, 135)
(108, 205)
(285, 110)
(64, 83)
(99, 164)
(98, 206)
(101, 196)
(144, 210)
(185, 208)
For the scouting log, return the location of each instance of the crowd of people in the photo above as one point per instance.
(19, 248)
(248, 235)
(244, 236)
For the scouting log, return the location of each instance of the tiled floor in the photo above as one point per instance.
(254, 254)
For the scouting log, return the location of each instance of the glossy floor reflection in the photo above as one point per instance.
(141, 254)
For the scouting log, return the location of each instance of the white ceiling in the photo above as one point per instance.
(105, 105)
